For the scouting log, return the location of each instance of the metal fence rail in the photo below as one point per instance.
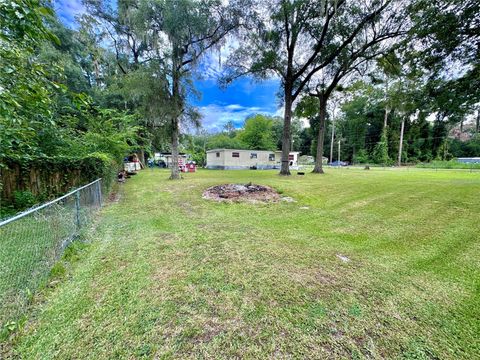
(32, 241)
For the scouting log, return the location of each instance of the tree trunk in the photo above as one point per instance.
(141, 157)
(177, 102)
(477, 127)
(385, 118)
(285, 168)
(175, 173)
(400, 147)
(318, 169)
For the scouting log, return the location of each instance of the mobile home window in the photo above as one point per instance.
(235, 154)
(290, 157)
(271, 157)
(218, 154)
(253, 155)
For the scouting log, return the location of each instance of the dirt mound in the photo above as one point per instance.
(241, 192)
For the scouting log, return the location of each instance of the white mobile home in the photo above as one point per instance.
(233, 159)
(469, 160)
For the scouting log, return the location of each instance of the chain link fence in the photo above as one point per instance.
(32, 241)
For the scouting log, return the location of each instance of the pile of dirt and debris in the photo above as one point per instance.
(241, 192)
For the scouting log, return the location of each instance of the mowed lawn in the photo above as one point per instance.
(170, 275)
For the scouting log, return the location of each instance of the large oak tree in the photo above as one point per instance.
(296, 39)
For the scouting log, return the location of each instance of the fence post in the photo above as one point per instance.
(99, 187)
(77, 209)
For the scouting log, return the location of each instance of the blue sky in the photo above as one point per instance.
(241, 99)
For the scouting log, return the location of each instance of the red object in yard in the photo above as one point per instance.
(188, 167)
(191, 167)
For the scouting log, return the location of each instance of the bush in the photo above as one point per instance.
(361, 157)
(40, 178)
(23, 199)
(380, 152)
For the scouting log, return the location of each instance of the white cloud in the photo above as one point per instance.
(234, 107)
(216, 116)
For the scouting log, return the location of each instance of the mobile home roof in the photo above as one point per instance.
(249, 150)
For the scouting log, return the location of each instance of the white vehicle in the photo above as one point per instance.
(130, 167)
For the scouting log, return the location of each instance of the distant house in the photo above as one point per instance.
(233, 159)
(469, 160)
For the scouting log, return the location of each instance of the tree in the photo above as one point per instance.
(230, 129)
(353, 58)
(25, 90)
(380, 153)
(445, 36)
(222, 141)
(48, 107)
(257, 133)
(160, 42)
(295, 133)
(298, 39)
(307, 108)
(183, 31)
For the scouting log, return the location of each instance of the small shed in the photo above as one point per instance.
(237, 159)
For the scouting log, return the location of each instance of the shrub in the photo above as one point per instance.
(40, 178)
(23, 199)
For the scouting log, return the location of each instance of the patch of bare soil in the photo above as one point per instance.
(241, 193)
(114, 197)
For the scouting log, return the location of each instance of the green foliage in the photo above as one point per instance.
(46, 79)
(222, 141)
(69, 172)
(195, 146)
(470, 148)
(23, 199)
(362, 121)
(25, 90)
(450, 164)
(446, 30)
(380, 153)
(161, 44)
(229, 129)
(361, 157)
(48, 120)
(257, 133)
(108, 131)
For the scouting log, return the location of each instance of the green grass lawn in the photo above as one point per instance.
(171, 275)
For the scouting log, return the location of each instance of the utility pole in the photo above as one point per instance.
(333, 133)
(400, 147)
(332, 141)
